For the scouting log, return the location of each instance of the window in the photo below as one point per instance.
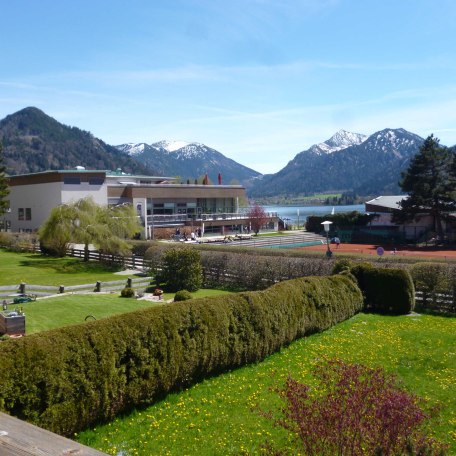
(96, 181)
(24, 214)
(72, 180)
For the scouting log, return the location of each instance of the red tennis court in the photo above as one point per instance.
(369, 249)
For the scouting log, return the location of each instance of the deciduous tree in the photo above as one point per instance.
(89, 223)
(257, 217)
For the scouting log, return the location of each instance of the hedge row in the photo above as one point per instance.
(68, 379)
(436, 283)
(230, 268)
(385, 290)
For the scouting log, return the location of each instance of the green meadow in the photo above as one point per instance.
(220, 415)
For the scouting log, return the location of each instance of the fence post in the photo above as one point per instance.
(98, 287)
(22, 288)
(133, 261)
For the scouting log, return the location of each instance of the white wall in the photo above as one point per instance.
(42, 198)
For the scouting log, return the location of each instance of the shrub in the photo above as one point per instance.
(244, 271)
(71, 378)
(343, 264)
(127, 292)
(389, 291)
(430, 279)
(358, 271)
(6, 239)
(181, 269)
(355, 411)
(182, 295)
(340, 221)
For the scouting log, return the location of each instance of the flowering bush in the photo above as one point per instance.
(356, 411)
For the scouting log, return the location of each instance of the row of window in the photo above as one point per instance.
(76, 180)
(24, 213)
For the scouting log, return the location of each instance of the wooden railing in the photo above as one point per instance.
(9, 292)
(441, 302)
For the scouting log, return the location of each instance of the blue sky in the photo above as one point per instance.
(258, 80)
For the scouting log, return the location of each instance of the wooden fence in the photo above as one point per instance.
(442, 302)
(129, 262)
(9, 292)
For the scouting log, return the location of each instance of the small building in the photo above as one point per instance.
(161, 202)
(383, 207)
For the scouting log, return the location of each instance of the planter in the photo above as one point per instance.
(12, 322)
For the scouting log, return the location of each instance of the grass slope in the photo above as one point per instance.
(215, 417)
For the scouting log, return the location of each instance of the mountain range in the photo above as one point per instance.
(352, 162)
(33, 142)
(189, 161)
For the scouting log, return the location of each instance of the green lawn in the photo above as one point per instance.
(216, 417)
(36, 269)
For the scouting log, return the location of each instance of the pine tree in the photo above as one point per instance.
(4, 190)
(430, 183)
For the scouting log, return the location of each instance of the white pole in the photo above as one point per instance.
(146, 230)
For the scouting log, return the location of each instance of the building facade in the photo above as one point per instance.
(160, 202)
(418, 230)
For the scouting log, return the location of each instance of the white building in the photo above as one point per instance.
(160, 201)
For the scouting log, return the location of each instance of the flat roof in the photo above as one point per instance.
(58, 171)
(109, 173)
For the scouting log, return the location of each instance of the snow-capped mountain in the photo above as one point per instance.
(189, 161)
(369, 166)
(340, 140)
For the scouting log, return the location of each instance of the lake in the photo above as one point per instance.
(291, 213)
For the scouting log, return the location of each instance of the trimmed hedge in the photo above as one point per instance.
(182, 295)
(242, 271)
(71, 378)
(386, 290)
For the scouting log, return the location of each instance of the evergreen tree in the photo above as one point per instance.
(430, 183)
(181, 270)
(4, 190)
